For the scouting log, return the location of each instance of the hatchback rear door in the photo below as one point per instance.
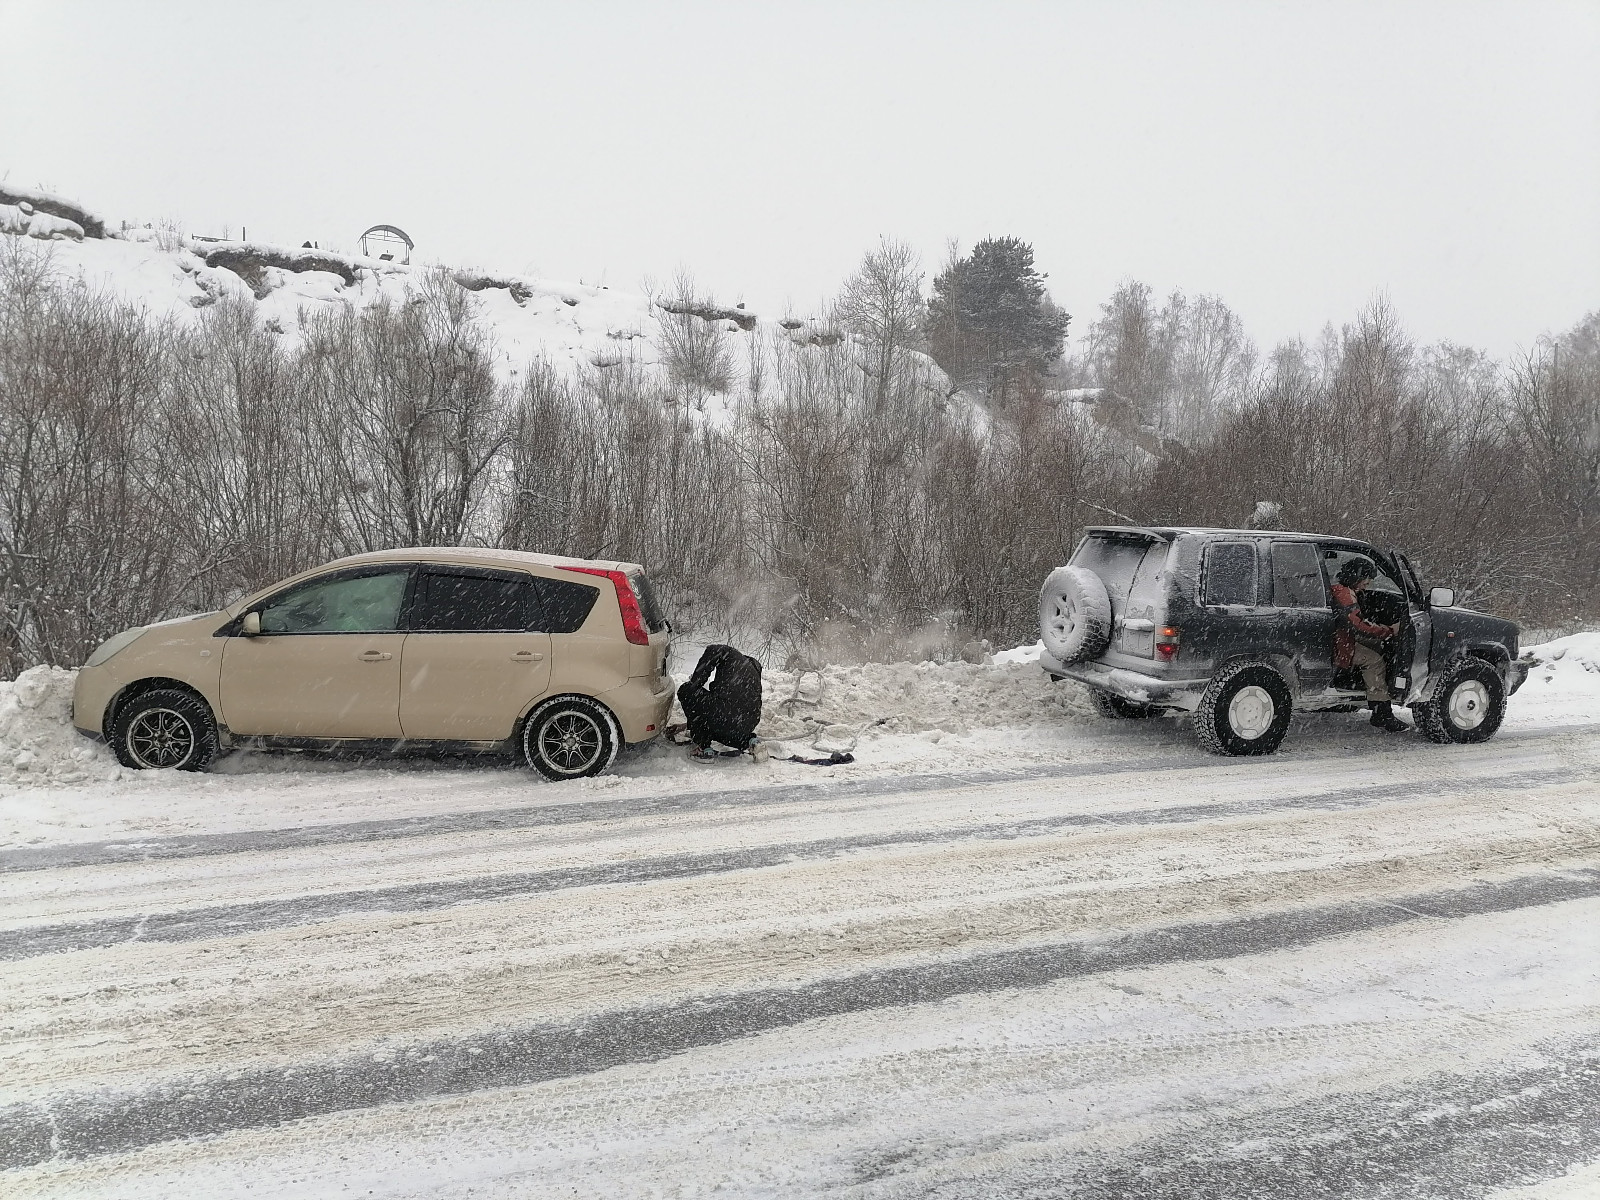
(476, 655)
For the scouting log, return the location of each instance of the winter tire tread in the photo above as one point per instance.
(1210, 717)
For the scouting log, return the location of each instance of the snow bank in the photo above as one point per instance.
(950, 697)
(37, 741)
(1563, 682)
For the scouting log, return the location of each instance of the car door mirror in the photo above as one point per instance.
(251, 625)
(1441, 598)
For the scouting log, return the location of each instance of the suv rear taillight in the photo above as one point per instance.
(1167, 643)
(632, 621)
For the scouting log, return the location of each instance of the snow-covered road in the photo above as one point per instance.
(1094, 962)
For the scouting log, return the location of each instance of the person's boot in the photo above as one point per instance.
(1383, 718)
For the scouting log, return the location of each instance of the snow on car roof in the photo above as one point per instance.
(1168, 532)
(487, 556)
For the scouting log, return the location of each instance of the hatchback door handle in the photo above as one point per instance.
(527, 656)
(374, 656)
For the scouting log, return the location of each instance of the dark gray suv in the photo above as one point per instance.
(1237, 627)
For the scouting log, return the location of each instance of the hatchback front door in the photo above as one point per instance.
(326, 663)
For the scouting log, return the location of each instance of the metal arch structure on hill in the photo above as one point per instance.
(379, 236)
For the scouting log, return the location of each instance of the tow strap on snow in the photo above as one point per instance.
(836, 759)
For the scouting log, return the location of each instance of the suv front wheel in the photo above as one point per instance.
(1245, 710)
(1469, 706)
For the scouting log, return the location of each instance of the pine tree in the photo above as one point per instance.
(990, 320)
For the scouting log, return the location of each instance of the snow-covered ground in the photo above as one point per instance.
(1012, 950)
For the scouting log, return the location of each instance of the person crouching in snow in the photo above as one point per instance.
(1353, 639)
(722, 701)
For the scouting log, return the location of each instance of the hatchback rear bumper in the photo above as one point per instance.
(1133, 686)
(641, 706)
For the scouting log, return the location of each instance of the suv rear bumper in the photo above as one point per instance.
(1132, 686)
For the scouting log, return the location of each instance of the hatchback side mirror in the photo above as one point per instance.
(1441, 598)
(251, 625)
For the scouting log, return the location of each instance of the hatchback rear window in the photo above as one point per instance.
(649, 603)
(566, 604)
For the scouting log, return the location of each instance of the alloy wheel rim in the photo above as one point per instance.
(570, 742)
(161, 738)
(1251, 711)
(1469, 704)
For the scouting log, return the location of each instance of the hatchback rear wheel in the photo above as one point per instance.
(570, 737)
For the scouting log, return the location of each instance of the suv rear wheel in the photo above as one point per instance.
(165, 729)
(1469, 706)
(570, 737)
(1245, 710)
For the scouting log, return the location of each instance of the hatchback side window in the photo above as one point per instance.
(343, 604)
(1297, 576)
(566, 605)
(1231, 573)
(447, 601)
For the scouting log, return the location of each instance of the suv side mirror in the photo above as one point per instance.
(1441, 598)
(251, 625)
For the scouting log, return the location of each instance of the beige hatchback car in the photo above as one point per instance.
(560, 661)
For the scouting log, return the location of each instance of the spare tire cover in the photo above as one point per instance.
(1074, 615)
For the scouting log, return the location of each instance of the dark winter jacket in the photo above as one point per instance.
(1347, 623)
(722, 699)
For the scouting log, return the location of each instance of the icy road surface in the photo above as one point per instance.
(1088, 963)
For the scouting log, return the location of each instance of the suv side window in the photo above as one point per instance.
(473, 602)
(365, 603)
(1230, 573)
(1297, 576)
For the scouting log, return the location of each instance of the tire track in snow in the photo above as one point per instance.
(1443, 1137)
(84, 854)
(229, 920)
(84, 1124)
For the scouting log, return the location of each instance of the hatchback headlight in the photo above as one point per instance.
(112, 645)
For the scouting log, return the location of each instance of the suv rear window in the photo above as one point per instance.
(1114, 559)
(1231, 573)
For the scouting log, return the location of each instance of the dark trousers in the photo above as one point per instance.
(711, 721)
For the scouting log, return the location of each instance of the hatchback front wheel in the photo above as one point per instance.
(165, 730)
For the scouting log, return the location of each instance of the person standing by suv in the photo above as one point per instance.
(1349, 648)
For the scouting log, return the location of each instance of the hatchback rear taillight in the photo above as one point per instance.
(1167, 643)
(632, 620)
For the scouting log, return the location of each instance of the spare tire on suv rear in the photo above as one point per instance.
(1074, 615)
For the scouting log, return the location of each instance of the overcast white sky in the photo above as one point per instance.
(1295, 159)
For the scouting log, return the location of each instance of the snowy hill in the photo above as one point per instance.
(170, 274)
